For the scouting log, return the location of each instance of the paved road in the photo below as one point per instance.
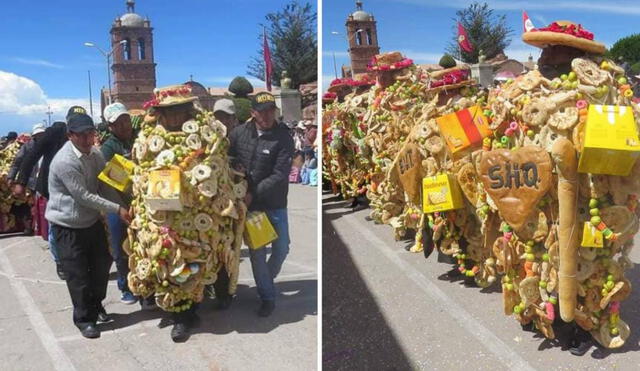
(387, 309)
(37, 333)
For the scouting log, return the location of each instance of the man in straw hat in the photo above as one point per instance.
(264, 148)
(561, 43)
(200, 239)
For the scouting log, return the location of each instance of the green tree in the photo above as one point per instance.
(291, 33)
(447, 61)
(240, 87)
(628, 48)
(486, 31)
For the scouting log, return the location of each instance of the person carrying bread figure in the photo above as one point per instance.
(188, 234)
(570, 60)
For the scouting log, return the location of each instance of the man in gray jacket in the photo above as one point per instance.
(76, 199)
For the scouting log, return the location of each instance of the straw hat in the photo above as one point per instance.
(564, 33)
(171, 96)
(391, 61)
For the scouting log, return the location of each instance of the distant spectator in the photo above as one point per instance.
(225, 111)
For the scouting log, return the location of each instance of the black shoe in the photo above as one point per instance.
(103, 317)
(580, 343)
(223, 303)
(28, 231)
(266, 308)
(90, 332)
(147, 303)
(180, 332)
(60, 272)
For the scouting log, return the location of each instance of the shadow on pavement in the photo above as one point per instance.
(297, 300)
(355, 334)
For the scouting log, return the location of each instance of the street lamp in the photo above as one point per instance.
(108, 56)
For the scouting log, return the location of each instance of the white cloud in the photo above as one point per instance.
(23, 97)
(610, 7)
(37, 62)
(326, 81)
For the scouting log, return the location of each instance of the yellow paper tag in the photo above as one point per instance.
(117, 173)
(591, 236)
(440, 193)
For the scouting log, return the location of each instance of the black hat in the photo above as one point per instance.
(75, 110)
(12, 135)
(263, 101)
(80, 122)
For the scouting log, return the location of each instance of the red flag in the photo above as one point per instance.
(268, 67)
(463, 39)
(526, 22)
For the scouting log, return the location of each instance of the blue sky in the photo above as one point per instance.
(43, 61)
(422, 28)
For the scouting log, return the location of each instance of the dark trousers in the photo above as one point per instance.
(221, 286)
(86, 261)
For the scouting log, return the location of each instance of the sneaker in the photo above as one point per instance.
(60, 272)
(128, 298)
(266, 308)
(103, 317)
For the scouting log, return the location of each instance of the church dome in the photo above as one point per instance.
(132, 20)
(361, 15)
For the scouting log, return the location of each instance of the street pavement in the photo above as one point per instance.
(37, 332)
(388, 309)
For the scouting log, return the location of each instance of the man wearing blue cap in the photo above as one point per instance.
(76, 200)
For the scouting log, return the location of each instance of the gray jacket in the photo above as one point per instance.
(76, 196)
(17, 162)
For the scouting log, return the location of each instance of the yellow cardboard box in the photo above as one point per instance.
(441, 193)
(464, 130)
(258, 231)
(117, 173)
(163, 190)
(611, 144)
(591, 236)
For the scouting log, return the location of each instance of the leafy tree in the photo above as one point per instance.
(291, 33)
(240, 87)
(628, 48)
(486, 31)
(447, 61)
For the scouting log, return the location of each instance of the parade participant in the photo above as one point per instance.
(224, 111)
(264, 148)
(52, 140)
(10, 138)
(76, 200)
(119, 142)
(177, 247)
(36, 134)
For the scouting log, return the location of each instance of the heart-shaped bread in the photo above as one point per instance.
(516, 180)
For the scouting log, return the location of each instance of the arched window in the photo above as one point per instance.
(141, 51)
(359, 37)
(369, 38)
(126, 49)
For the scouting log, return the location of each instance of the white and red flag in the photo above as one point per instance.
(526, 22)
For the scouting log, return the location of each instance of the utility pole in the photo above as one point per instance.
(335, 69)
(90, 95)
(49, 113)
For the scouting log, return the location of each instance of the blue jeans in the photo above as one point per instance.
(117, 230)
(265, 271)
(52, 246)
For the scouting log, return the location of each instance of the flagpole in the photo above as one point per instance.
(264, 37)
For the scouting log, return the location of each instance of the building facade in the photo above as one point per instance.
(132, 60)
(362, 35)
